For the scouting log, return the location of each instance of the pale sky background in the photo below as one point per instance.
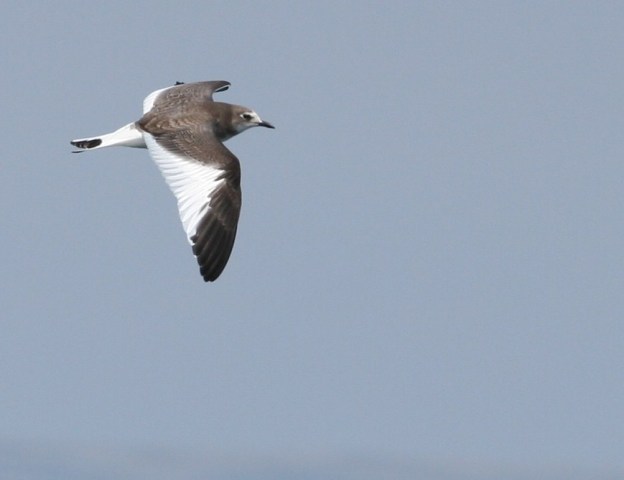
(428, 275)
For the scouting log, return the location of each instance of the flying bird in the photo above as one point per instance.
(184, 130)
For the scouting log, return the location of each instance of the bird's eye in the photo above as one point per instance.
(247, 116)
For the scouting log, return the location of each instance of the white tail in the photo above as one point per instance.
(126, 136)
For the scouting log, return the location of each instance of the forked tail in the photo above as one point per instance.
(126, 136)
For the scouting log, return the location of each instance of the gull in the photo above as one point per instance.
(183, 129)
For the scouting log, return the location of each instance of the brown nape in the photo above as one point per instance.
(87, 143)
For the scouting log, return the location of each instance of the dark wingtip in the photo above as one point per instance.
(209, 274)
(225, 85)
(178, 83)
(86, 144)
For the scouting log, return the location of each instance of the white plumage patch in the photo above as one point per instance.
(126, 136)
(191, 182)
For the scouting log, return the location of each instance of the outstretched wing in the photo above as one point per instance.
(183, 93)
(204, 176)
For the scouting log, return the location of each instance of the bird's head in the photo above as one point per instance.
(244, 118)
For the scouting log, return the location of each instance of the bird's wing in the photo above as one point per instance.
(182, 93)
(205, 179)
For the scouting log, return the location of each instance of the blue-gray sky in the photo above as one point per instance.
(429, 258)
